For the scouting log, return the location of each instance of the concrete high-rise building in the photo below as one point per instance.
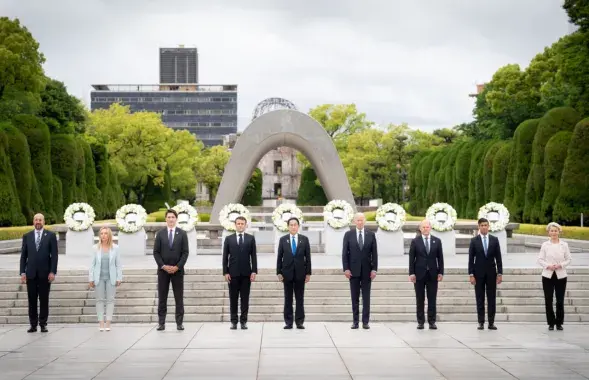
(178, 65)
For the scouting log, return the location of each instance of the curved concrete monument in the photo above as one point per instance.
(274, 129)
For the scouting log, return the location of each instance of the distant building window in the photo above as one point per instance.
(278, 167)
(277, 189)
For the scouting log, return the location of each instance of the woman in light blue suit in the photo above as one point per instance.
(106, 273)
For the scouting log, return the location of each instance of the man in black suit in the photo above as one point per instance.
(38, 267)
(170, 252)
(240, 265)
(293, 268)
(426, 268)
(360, 262)
(483, 253)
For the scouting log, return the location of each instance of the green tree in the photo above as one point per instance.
(522, 153)
(555, 155)
(64, 162)
(211, 168)
(93, 194)
(252, 195)
(184, 155)
(475, 179)
(488, 171)
(500, 171)
(450, 175)
(157, 196)
(461, 179)
(57, 192)
(414, 180)
(62, 112)
(434, 178)
(573, 198)
(578, 12)
(310, 193)
(21, 71)
(10, 210)
(441, 191)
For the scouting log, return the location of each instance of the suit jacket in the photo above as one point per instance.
(240, 260)
(297, 266)
(360, 261)
(551, 254)
(42, 262)
(420, 261)
(478, 263)
(115, 268)
(177, 256)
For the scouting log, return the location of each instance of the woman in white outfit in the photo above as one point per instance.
(106, 273)
(554, 257)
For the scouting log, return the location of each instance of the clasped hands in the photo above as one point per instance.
(171, 269)
(554, 267)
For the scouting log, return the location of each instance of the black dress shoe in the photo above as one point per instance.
(161, 327)
(551, 328)
(288, 327)
(244, 326)
(559, 328)
(44, 329)
(233, 326)
(32, 329)
(492, 326)
(300, 327)
(354, 326)
(179, 327)
(365, 326)
(420, 326)
(432, 326)
(481, 326)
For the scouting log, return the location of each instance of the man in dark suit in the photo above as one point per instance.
(360, 262)
(483, 253)
(240, 265)
(293, 268)
(38, 267)
(426, 268)
(170, 252)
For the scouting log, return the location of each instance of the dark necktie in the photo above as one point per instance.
(240, 240)
(360, 240)
(170, 239)
(38, 240)
(427, 244)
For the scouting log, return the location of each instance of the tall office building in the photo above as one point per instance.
(178, 65)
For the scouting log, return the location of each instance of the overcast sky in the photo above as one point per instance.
(412, 61)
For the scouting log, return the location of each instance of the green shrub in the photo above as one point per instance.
(441, 193)
(414, 179)
(449, 176)
(426, 168)
(58, 198)
(64, 161)
(252, 196)
(461, 179)
(80, 190)
(554, 157)
(93, 195)
(488, 171)
(474, 176)
(432, 181)
(568, 232)
(522, 158)
(310, 193)
(10, 210)
(500, 171)
(156, 196)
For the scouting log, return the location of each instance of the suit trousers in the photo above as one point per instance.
(551, 286)
(163, 288)
(105, 299)
(357, 283)
(239, 287)
(298, 286)
(486, 283)
(38, 288)
(429, 284)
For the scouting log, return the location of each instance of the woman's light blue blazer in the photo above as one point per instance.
(115, 268)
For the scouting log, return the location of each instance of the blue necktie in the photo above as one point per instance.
(170, 239)
(485, 244)
(293, 245)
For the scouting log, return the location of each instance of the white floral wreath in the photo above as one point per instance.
(340, 219)
(79, 216)
(187, 216)
(231, 211)
(497, 215)
(388, 222)
(284, 212)
(131, 218)
(441, 225)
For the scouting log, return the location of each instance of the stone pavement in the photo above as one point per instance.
(324, 351)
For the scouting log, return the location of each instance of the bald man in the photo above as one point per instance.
(38, 267)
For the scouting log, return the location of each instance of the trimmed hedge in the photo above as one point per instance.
(58, 198)
(252, 196)
(157, 196)
(568, 232)
(475, 180)
(461, 179)
(488, 172)
(500, 170)
(522, 156)
(573, 198)
(93, 194)
(441, 193)
(10, 210)
(64, 161)
(426, 168)
(555, 155)
(80, 191)
(449, 177)
(433, 178)
(508, 198)
(310, 194)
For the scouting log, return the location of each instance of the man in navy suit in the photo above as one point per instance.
(360, 263)
(426, 268)
(293, 268)
(485, 269)
(38, 267)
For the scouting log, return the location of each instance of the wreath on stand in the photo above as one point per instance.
(131, 218)
(390, 217)
(283, 213)
(442, 217)
(187, 216)
(230, 212)
(497, 215)
(338, 213)
(79, 216)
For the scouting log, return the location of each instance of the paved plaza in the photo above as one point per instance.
(323, 351)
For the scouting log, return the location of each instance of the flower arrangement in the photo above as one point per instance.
(231, 211)
(338, 213)
(79, 216)
(283, 212)
(442, 217)
(390, 217)
(131, 218)
(497, 215)
(187, 216)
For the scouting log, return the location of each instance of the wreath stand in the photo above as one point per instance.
(79, 243)
(334, 239)
(132, 244)
(390, 243)
(502, 236)
(448, 239)
(192, 244)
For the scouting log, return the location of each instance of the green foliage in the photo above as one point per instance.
(555, 120)
(426, 168)
(37, 203)
(10, 210)
(414, 180)
(500, 171)
(474, 175)
(554, 156)
(93, 194)
(580, 233)
(578, 12)
(252, 195)
(62, 112)
(449, 177)
(461, 178)
(573, 198)
(211, 168)
(488, 172)
(433, 178)
(64, 162)
(310, 193)
(80, 190)
(441, 192)
(157, 196)
(522, 152)
(508, 199)
(57, 191)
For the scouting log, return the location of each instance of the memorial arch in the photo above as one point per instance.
(274, 129)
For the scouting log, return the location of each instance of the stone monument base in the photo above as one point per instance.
(502, 236)
(448, 239)
(132, 244)
(334, 240)
(390, 243)
(79, 243)
(191, 245)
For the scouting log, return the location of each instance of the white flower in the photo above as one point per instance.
(388, 222)
(131, 218)
(231, 211)
(79, 216)
(338, 213)
(278, 216)
(446, 220)
(187, 216)
(497, 215)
